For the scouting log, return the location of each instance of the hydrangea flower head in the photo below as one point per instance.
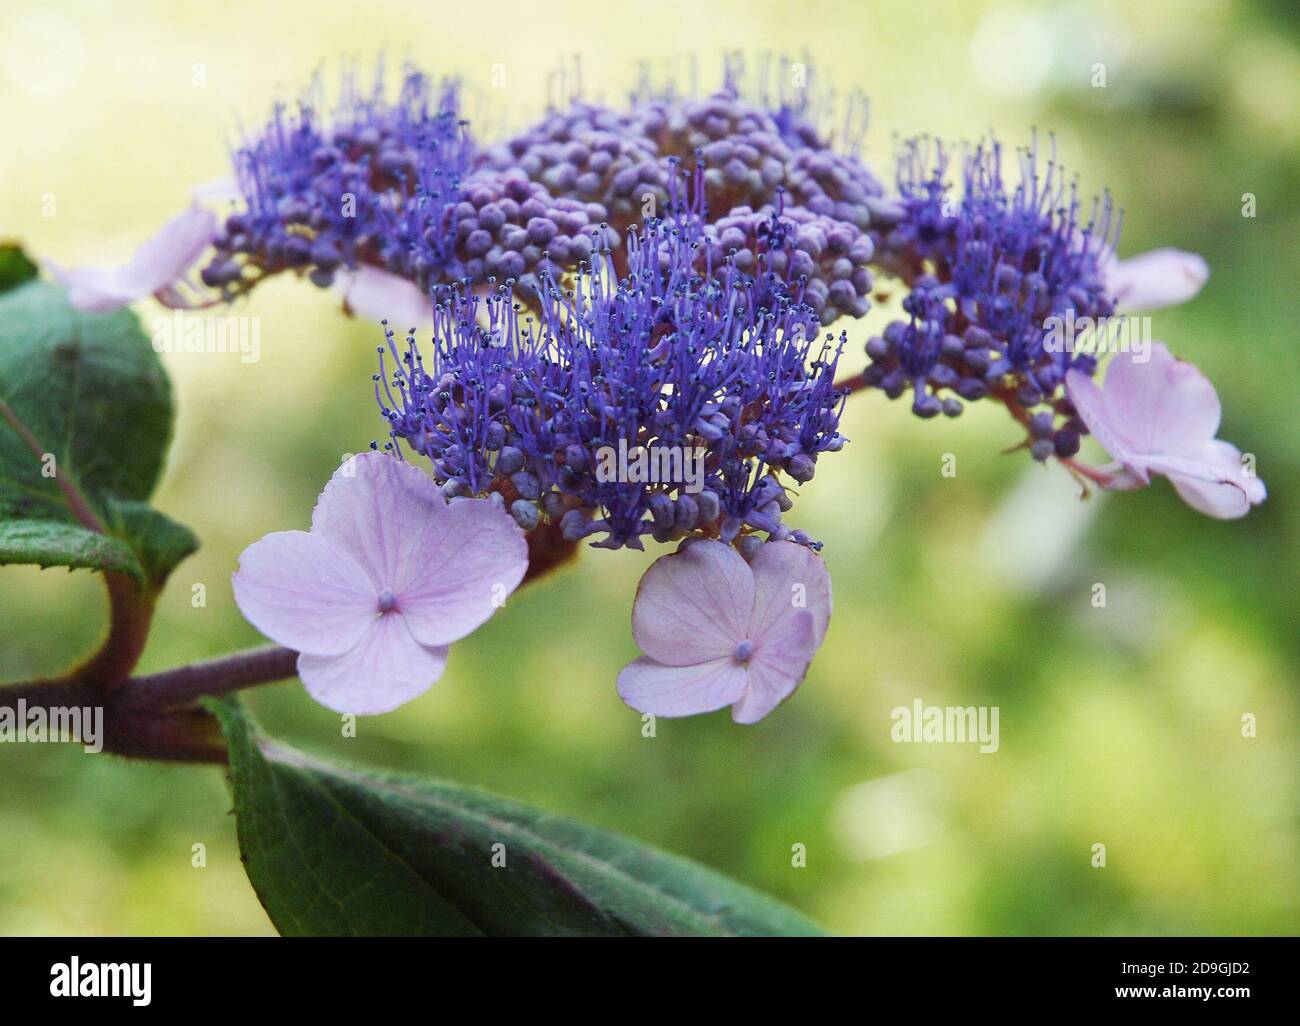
(719, 631)
(389, 575)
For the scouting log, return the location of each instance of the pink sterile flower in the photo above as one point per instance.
(390, 574)
(1154, 279)
(156, 267)
(1160, 416)
(718, 631)
(380, 295)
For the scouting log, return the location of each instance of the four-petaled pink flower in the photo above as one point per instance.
(157, 267)
(1161, 416)
(390, 574)
(718, 631)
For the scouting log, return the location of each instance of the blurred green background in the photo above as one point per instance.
(1119, 726)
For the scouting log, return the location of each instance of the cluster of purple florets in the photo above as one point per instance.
(322, 194)
(995, 274)
(758, 157)
(403, 186)
(717, 366)
(585, 299)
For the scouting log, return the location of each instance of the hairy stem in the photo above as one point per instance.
(44, 694)
(150, 717)
(130, 612)
(157, 692)
(173, 688)
(184, 735)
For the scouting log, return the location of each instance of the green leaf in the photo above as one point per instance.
(86, 404)
(49, 543)
(91, 391)
(337, 851)
(158, 541)
(16, 266)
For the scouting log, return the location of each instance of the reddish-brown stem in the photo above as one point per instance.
(184, 735)
(149, 717)
(130, 612)
(46, 693)
(173, 688)
(188, 735)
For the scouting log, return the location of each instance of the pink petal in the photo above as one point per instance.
(1163, 405)
(1161, 417)
(219, 190)
(651, 687)
(387, 668)
(158, 263)
(1157, 278)
(788, 580)
(450, 566)
(380, 295)
(464, 565)
(1160, 407)
(169, 255)
(1089, 402)
(694, 605)
(1217, 484)
(778, 667)
(304, 592)
(92, 289)
(377, 507)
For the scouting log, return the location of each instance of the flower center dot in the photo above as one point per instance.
(387, 601)
(744, 650)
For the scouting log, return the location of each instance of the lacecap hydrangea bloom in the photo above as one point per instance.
(633, 323)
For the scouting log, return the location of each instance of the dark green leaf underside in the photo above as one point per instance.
(335, 851)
